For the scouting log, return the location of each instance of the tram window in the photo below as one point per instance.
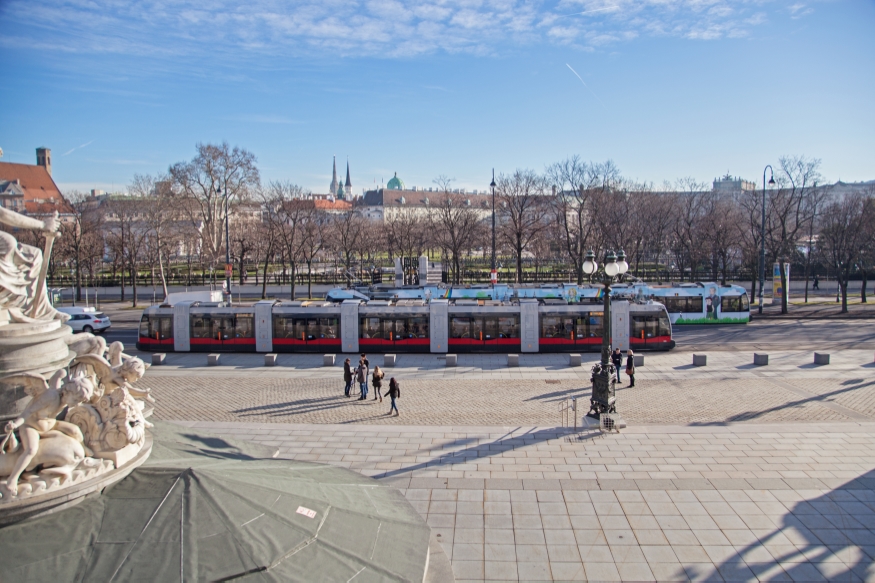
(664, 326)
(152, 326)
(328, 327)
(299, 328)
(638, 326)
(730, 304)
(745, 303)
(243, 326)
(594, 325)
(549, 326)
(370, 328)
(508, 328)
(418, 327)
(680, 304)
(200, 327)
(460, 328)
(477, 332)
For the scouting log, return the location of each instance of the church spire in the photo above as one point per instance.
(348, 185)
(334, 185)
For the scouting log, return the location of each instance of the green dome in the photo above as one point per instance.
(395, 183)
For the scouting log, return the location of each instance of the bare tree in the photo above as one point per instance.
(127, 234)
(314, 227)
(347, 229)
(844, 233)
(685, 244)
(159, 209)
(718, 233)
(216, 172)
(787, 212)
(455, 226)
(81, 241)
(521, 213)
(576, 183)
(286, 209)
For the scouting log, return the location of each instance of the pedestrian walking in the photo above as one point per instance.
(364, 358)
(347, 377)
(377, 380)
(393, 393)
(816, 283)
(630, 368)
(361, 376)
(617, 359)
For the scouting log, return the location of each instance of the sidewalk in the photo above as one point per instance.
(741, 502)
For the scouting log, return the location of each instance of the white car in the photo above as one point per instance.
(86, 319)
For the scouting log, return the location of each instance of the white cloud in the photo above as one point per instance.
(238, 31)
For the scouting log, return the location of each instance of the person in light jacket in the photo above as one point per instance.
(361, 376)
(630, 367)
(377, 381)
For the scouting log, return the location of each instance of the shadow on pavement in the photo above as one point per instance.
(826, 538)
(749, 415)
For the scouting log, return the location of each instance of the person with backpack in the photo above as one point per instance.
(347, 377)
(393, 393)
(377, 381)
(361, 376)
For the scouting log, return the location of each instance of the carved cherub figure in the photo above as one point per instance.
(39, 417)
(120, 371)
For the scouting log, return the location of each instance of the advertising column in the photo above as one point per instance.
(777, 289)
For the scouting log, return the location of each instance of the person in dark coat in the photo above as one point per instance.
(630, 368)
(393, 393)
(347, 377)
(617, 359)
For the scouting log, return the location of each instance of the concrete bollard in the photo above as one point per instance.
(700, 360)
(451, 360)
(270, 360)
(638, 359)
(760, 359)
(158, 358)
(327, 360)
(821, 358)
(574, 360)
(213, 359)
(389, 360)
(513, 360)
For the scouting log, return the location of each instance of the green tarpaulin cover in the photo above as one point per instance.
(204, 508)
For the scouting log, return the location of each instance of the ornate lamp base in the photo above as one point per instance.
(604, 398)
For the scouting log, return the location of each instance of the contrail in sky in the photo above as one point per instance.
(593, 10)
(585, 85)
(77, 147)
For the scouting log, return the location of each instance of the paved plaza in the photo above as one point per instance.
(725, 472)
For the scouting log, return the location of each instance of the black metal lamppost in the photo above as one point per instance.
(604, 398)
(493, 275)
(763, 234)
(227, 247)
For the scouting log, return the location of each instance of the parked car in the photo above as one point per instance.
(86, 319)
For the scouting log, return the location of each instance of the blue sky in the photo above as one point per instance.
(667, 88)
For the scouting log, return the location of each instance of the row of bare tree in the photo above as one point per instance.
(553, 217)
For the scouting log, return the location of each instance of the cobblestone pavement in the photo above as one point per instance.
(504, 402)
(740, 502)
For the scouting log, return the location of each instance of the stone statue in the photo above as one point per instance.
(48, 399)
(23, 270)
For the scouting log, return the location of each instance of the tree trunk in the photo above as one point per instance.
(79, 280)
(264, 278)
(863, 288)
(843, 285)
(293, 279)
(134, 284)
(753, 286)
(310, 279)
(122, 279)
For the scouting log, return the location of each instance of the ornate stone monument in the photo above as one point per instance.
(74, 423)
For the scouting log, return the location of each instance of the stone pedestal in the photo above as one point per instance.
(40, 347)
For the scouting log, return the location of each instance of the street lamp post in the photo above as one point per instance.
(763, 235)
(493, 276)
(227, 246)
(604, 398)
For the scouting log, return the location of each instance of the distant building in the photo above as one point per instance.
(31, 189)
(382, 204)
(732, 184)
